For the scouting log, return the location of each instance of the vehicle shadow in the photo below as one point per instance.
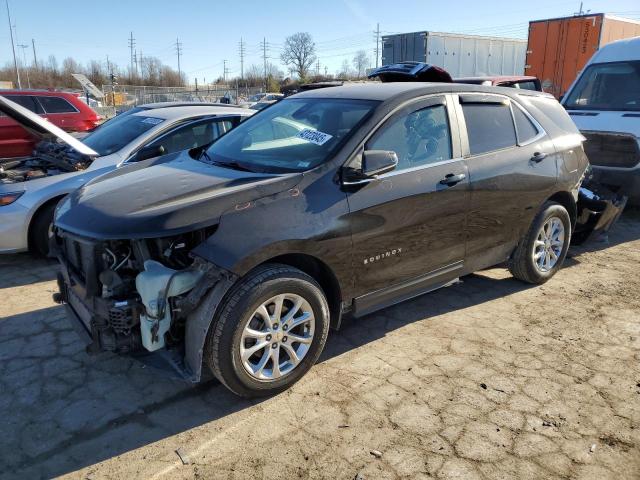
(67, 410)
(14, 274)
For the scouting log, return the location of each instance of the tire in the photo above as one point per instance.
(40, 229)
(522, 264)
(228, 338)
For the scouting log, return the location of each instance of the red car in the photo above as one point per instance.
(64, 110)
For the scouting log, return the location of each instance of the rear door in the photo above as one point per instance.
(512, 169)
(14, 139)
(60, 112)
(408, 225)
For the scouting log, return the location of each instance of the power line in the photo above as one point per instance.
(132, 44)
(179, 52)
(35, 58)
(377, 32)
(264, 59)
(24, 59)
(242, 53)
(13, 48)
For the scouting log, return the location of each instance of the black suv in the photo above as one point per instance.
(343, 200)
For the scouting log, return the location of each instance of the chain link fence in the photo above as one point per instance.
(124, 97)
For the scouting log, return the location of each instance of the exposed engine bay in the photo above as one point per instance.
(133, 295)
(48, 159)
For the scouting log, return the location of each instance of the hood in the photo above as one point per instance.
(40, 127)
(163, 200)
(607, 121)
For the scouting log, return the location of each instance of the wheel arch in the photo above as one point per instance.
(321, 273)
(37, 212)
(567, 201)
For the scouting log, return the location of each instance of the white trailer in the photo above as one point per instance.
(460, 55)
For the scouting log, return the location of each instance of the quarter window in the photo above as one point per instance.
(419, 138)
(489, 126)
(27, 101)
(56, 105)
(524, 126)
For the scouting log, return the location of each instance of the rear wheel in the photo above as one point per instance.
(41, 230)
(269, 332)
(543, 249)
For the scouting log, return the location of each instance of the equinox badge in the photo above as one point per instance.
(388, 253)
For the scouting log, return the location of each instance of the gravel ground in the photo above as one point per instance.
(488, 379)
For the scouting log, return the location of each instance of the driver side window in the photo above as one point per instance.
(419, 138)
(190, 136)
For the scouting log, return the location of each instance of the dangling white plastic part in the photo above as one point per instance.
(156, 284)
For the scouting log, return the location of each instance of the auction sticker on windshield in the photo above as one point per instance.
(314, 136)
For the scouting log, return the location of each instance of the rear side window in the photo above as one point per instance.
(526, 85)
(27, 101)
(554, 111)
(489, 126)
(56, 105)
(525, 128)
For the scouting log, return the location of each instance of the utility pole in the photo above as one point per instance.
(179, 52)
(242, 52)
(13, 48)
(318, 68)
(24, 64)
(224, 72)
(326, 71)
(264, 59)
(132, 44)
(35, 58)
(377, 32)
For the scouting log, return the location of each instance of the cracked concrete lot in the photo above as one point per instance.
(487, 379)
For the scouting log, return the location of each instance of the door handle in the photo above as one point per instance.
(538, 157)
(450, 179)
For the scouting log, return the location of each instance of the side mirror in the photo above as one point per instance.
(377, 162)
(150, 151)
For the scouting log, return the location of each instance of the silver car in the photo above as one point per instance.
(31, 188)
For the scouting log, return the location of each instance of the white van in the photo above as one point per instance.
(604, 102)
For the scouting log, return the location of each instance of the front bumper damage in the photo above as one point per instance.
(117, 323)
(598, 210)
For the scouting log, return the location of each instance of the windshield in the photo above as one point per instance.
(257, 97)
(291, 136)
(118, 132)
(607, 86)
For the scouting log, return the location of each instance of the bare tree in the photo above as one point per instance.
(345, 72)
(361, 62)
(299, 53)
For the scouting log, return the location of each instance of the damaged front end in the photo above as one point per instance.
(599, 208)
(49, 159)
(135, 296)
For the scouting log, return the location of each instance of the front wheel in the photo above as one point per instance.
(270, 330)
(542, 250)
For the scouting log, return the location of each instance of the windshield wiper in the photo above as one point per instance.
(233, 165)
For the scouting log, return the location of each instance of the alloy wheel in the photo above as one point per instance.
(548, 245)
(277, 337)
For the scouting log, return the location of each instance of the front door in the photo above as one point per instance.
(408, 225)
